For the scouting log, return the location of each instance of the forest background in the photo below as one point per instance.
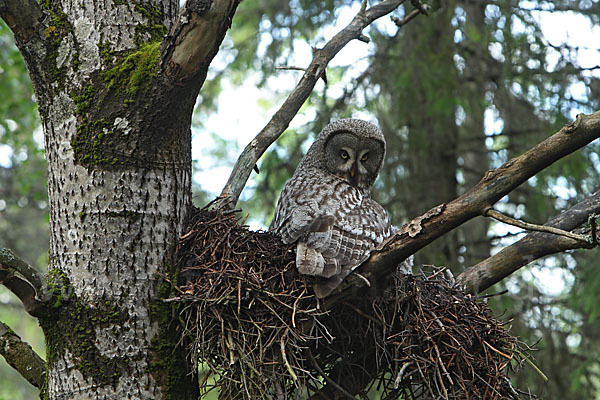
(456, 93)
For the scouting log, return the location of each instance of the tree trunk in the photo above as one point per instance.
(432, 131)
(475, 80)
(114, 218)
(117, 138)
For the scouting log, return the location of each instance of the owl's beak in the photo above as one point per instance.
(353, 171)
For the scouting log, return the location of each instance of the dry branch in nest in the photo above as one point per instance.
(255, 323)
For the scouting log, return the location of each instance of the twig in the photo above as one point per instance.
(281, 119)
(486, 296)
(535, 245)
(401, 374)
(291, 68)
(533, 227)
(362, 313)
(401, 22)
(532, 365)
(286, 362)
(21, 356)
(326, 377)
(593, 223)
(423, 8)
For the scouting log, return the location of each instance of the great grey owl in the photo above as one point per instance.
(326, 206)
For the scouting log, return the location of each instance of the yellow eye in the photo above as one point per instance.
(344, 154)
(364, 157)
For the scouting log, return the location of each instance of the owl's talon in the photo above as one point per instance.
(367, 282)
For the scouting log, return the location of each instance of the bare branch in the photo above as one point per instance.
(421, 231)
(281, 119)
(419, 9)
(21, 16)
(21, 356)
(23, 280)
(196, 37)
(533, 227)
(532, 247)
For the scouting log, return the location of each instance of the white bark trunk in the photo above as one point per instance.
(112, 230)
(116, 110)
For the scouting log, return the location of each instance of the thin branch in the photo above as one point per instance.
(281, 119)
(21, 356)
(419, 9)
(23, 280)
(327, 378)
(21, 16)
(533, 227)
(536, 245)
(422, 230)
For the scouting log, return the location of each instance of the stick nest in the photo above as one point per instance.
(255, 327)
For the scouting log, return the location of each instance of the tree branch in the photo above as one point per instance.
(535, 245)
(23, 280)
(196, 37)
(422, 230)
(21, 356)
(281, 119)
(498, 216)
(21, 16)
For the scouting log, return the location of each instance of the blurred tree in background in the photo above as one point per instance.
(23, 199)
(456, 93)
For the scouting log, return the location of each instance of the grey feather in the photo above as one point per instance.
(326, 206)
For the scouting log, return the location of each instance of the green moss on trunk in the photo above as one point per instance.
(101, 139)
(169, 364)
(70, 326)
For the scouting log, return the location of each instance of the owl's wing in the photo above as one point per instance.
(354, 234)
(352, 240)
(299, 211)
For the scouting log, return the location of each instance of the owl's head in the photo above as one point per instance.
(353, 150)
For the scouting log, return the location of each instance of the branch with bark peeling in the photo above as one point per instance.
(438, 221)
(23, 280)
(281, 119)
(21, 356)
